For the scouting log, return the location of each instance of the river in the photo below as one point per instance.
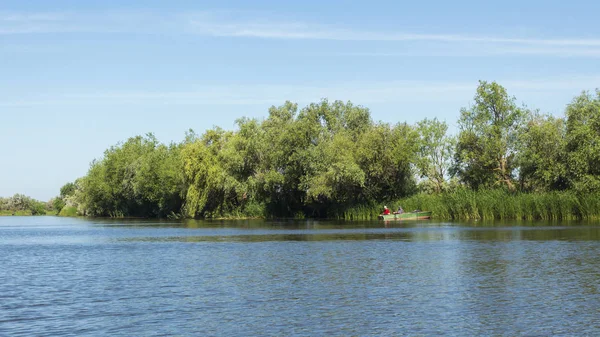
(90, 277)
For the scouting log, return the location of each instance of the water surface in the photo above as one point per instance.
(80, 277)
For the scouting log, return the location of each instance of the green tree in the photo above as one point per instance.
(67, 190)
(138, 178)
(57, 204)
(436, 150)
(330, 173)
(487, 142)
(583, 141)
(542, 156)
(283, 161)
(37, 208)
(336, 177)
(386, 155)
(211, 188)
(308, 158)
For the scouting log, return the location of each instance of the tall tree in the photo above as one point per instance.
(541, 157)
(487, 142)
(137, 178)
(435, 152)
(583, 141)
(281, 166)
(212, 189)
(385, 154)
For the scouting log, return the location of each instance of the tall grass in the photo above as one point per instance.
(68, 211)
(466, 204)
(18, 213)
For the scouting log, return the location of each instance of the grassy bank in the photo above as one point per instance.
(23, 213)
(16, 213)
(68, 211)
(462, 204)
(490, 205)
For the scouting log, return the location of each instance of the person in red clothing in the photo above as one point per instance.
(386, 210)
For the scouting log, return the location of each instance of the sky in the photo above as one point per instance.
(77, 77)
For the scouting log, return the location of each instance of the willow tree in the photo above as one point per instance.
(487, 141)
(212, 187)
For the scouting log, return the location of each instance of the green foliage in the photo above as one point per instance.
(298, 162)
(38, 208)
(67, 190)
(58, 204)
(68, 211)
(484, 204)
(583, 142)
(330, 159)
(336, 175)
(138, 178)
(20, 204)
(435, 153)
(542, 156)
(15, 213)
(211, 189)
(488, 138)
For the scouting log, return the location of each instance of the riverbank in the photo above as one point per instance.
(462, 204)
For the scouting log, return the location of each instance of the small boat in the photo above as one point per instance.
(417, 215)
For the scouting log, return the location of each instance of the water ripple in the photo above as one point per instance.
(67, 278)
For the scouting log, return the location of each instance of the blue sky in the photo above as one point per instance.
(79, 76)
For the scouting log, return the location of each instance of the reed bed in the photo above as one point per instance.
(495, 204)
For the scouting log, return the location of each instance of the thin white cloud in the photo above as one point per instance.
(359, 92)
(565, 52)
(256, 95)
(328, 32)
(220, 25)
(89, 22)
(31, 17)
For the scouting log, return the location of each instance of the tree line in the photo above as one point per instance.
(328, 157)
(20, 204)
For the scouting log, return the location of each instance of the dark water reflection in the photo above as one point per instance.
(308, 278)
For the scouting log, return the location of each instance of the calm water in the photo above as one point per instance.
(75, 277)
